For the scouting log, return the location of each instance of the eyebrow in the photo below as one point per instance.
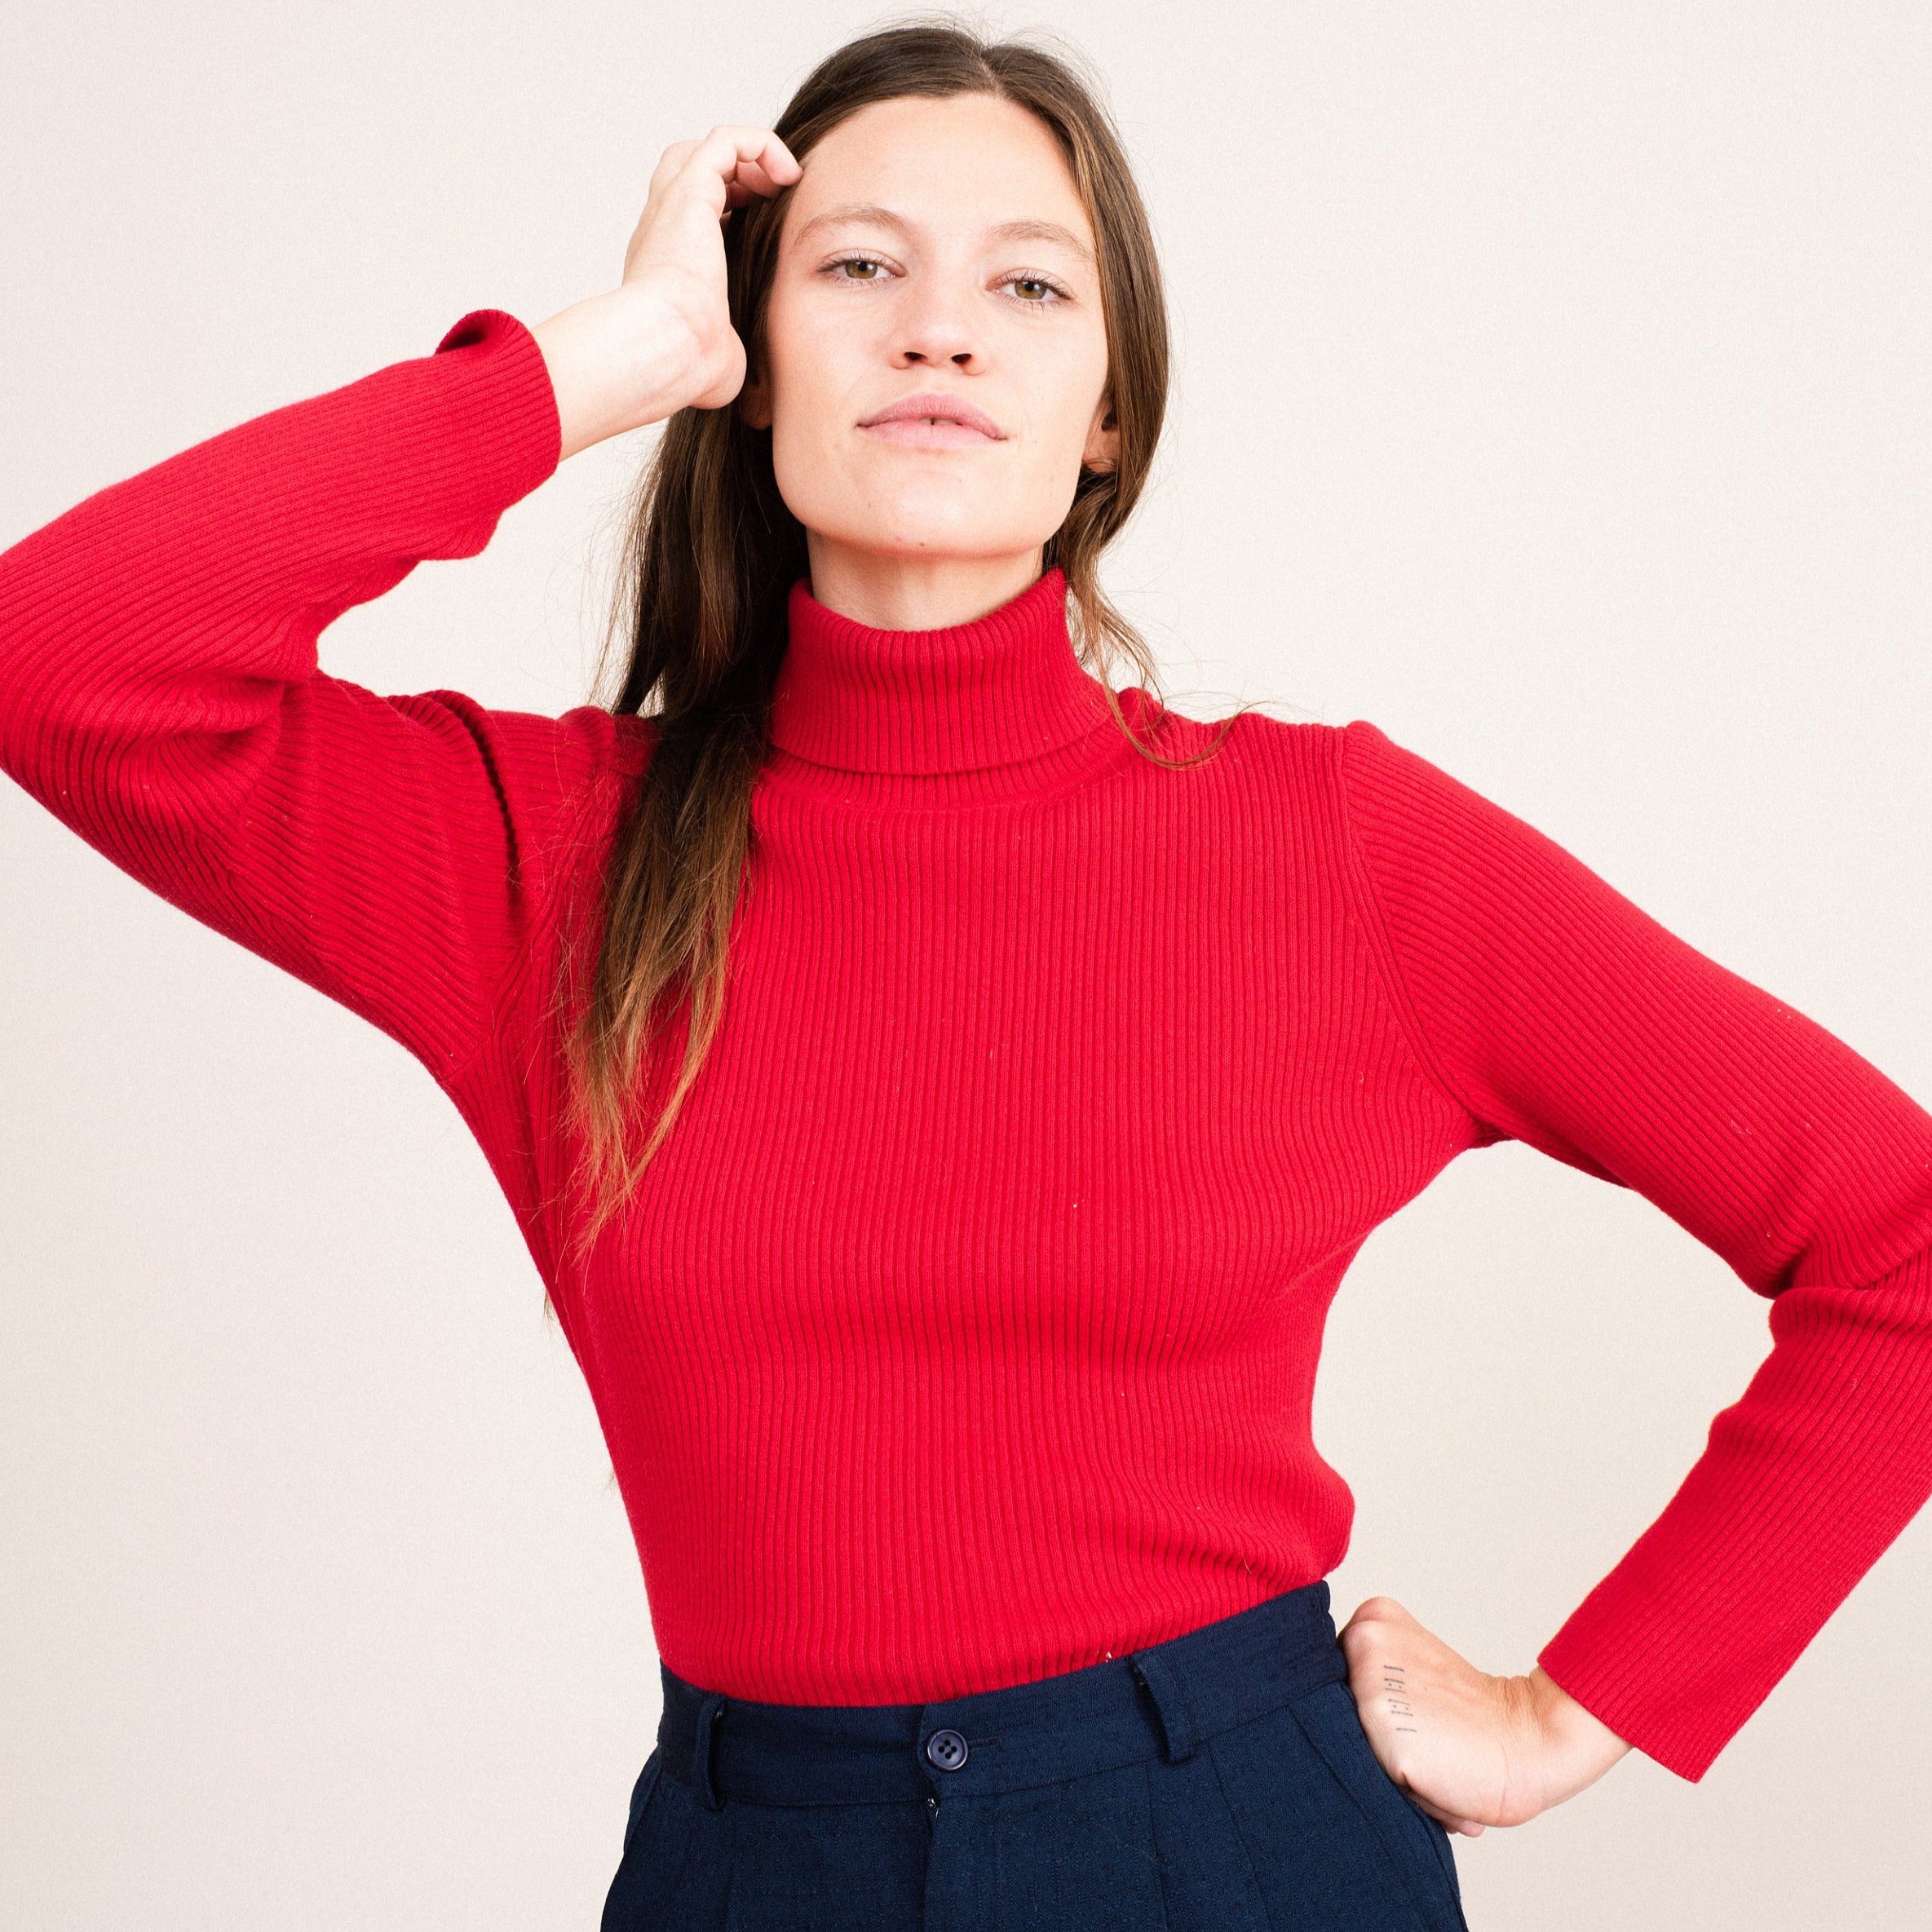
(1006, 231)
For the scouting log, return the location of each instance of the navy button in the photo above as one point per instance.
(947, 1749)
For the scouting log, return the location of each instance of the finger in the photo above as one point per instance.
(670, 163)
(725, 148)
(749, 183)
(776, 162)
(1449, 1819)
(755, 175)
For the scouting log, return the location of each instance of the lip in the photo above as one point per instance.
(911, 419)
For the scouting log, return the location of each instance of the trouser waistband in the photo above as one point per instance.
(1160, 1701)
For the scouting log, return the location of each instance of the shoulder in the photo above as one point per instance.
(541, 752)
(560, 780)
(1357, 757)
(580, 747)
(1352, 782)
(1250, 749)
(585, 766)
(1246, 736)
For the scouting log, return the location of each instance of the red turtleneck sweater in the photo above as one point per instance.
(965, 1330)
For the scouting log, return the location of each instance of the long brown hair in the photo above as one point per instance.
(710, 553)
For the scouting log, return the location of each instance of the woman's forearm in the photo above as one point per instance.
(616, 362)
(662, 340)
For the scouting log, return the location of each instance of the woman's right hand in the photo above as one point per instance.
(662, 340)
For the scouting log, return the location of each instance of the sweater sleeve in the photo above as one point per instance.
(1553, 1011)
(159, 693)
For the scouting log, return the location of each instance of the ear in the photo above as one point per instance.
(1103, 451)
(754, 404)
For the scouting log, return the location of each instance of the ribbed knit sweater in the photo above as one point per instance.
(964, 1329)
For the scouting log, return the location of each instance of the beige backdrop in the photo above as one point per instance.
(1553, 389)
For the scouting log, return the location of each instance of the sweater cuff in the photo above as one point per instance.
(1807, 1482)
(508, 404)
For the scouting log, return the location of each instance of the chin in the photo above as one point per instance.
(911, 529)
(952, 545)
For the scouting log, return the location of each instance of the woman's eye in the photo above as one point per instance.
(1032, 291)
(1037, 291)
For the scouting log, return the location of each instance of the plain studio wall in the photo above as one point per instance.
(1553, 391)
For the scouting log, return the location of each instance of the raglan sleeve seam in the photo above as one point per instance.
(1358, 883)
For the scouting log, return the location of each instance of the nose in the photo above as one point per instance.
(935, 330)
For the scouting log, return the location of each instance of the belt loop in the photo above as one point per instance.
(708, 1712)
(1177, 1722)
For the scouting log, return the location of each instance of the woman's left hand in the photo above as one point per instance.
(1471, 1749)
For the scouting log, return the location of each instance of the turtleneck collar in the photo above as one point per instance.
(1005, 687)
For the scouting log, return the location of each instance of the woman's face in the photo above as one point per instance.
(934, 245)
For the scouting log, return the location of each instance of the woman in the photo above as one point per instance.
(952, 1291)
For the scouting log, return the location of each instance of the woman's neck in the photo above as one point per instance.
(1000, 690)
(901, 590)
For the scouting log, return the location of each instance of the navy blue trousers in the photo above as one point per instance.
(1219, 1782)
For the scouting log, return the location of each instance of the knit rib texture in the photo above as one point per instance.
(965, 1330)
